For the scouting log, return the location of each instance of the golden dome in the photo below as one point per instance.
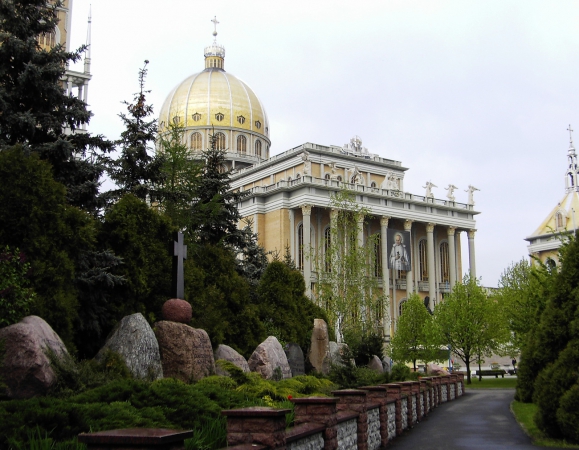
(214, 102)
(215, 98)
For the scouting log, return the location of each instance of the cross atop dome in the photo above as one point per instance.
(572, 174)
(215, 53)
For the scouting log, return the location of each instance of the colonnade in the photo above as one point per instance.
(452, 233)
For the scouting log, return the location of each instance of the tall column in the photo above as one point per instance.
(451, 256)
(431, 266)
(471, 260)
(385, 273)
(292, 228)
(360, 231)
(409, 278)
(306, 212)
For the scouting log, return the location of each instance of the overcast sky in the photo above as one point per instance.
(462, 92)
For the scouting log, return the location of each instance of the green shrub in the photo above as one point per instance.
(568, 413)
(400, 372)
(551, 387)
(73, 377)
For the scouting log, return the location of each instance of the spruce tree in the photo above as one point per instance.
(35, 111)
(214, 215)
(137, 170)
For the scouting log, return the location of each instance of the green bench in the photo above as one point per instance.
(488, 373)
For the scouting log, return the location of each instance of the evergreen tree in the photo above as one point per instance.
(180, 173)
(34, 109)
(141, 236)
(214, 215)
(551, 355)
(221, 298)
(253, 259)
(137, 170)
(35, 217)
(284, 306)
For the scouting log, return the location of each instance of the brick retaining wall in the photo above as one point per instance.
(346, 421)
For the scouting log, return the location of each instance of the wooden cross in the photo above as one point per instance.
(179, 253)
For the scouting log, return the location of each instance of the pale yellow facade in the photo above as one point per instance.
(293, 191)
(562, 220)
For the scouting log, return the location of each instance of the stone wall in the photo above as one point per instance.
(364, 419)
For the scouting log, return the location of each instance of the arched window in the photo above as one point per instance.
(378, 256)
(241, 144)
(327, 247)
(444, 263)
(258, 148)
(559, 220)
(423, 260)
(220, 141)
(327, 176)
(339, 177)
(196, 142)
(373, 184)
(401, 306)
(301, 246)
(298, 176)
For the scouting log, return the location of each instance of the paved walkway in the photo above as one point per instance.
(480, 419)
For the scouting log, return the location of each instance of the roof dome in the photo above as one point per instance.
(216, 102)
(215, 98)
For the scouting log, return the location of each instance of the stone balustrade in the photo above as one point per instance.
(367, 418)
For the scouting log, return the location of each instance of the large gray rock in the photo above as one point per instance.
(320, 347)
(295, 359)
(134, 340)
(267, 357)
(26, 368)
(186, 352)
(336, 352)
(376, 364)
(227, 353)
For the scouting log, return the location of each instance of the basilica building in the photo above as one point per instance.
(289, 195)
(561, 222)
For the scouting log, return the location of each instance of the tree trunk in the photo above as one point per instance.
(479, 370)
(414, 363)
(467, 362)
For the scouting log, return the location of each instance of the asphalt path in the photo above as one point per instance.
(480, 419)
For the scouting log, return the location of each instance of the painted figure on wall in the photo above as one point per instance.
(399, 254)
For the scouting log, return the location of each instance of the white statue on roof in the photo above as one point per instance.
(450, 194)
(470, 191)
(428, 187)
(307, 162)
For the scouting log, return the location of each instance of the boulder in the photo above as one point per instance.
(375, 364)
(295, 359)
(320, 347)
(176, 310)
(435, 369)
(134, 340)
(26, 368)
(186, 352)
(227, 353)
(336, 352)
(267, 358)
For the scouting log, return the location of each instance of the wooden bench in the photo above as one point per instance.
(495, 372)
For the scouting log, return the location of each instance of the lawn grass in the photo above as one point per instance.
(524, 413)
(509, 382)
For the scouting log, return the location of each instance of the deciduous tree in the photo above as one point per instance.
(415, 338)
(470, 322)
(348, 290)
